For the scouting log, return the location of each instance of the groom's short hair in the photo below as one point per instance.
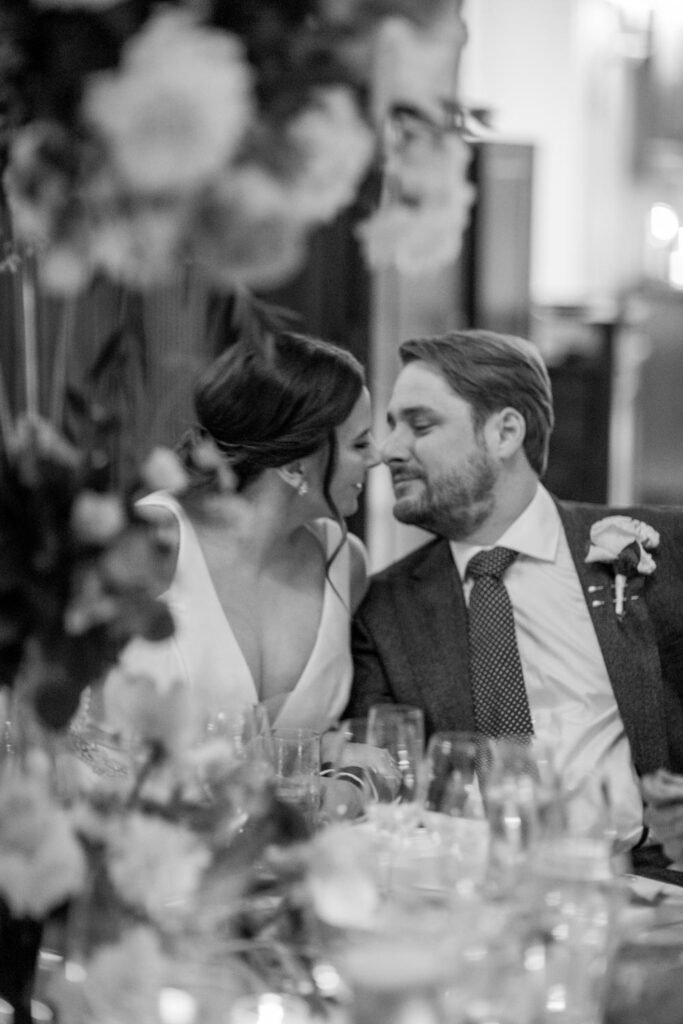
(491, 371)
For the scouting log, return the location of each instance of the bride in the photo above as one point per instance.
(263, 580)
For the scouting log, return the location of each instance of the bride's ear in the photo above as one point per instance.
(294, 475)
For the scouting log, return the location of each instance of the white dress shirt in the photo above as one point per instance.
(572, 704)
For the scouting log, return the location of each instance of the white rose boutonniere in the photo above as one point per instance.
(626, 544)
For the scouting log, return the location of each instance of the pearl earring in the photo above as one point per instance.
(302, 488)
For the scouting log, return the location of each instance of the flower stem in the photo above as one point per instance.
(29, 303)
(66, 331)
(5, 413)
(154, 757)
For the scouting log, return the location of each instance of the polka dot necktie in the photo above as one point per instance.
(501, 706)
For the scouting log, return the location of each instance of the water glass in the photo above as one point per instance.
(296, 759)
(243, 733)
(523, 800)
(576, 900)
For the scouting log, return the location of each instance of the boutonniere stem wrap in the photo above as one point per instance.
(625, 543)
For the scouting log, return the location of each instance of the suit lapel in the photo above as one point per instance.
(432, 618)
(629, 645)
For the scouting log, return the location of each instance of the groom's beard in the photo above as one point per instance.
(456, 504)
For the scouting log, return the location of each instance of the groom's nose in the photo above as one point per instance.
(393, 448)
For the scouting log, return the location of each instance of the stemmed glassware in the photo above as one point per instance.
(450, 780)
(244, 733)
(456, 831)
(399, 730)
(524, 801)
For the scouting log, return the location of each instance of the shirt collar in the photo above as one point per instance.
(535, 533)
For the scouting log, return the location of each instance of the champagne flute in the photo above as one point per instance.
(399, 729)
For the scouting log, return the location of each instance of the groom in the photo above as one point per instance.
(548, 642)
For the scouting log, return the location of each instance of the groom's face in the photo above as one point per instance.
(443, 473)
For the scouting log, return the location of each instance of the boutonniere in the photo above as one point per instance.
(626, 544)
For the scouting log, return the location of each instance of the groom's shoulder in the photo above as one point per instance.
(667, 517)
(408, 564)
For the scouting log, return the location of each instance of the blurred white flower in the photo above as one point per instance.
(149, 710)
(139, 246)
(335, 146)
(121, 984)
(177, 108)
(35, 439)
(65, 267)
(420, 224)
(155, 865)
(90, 604)
(162, 470)
(415, 241)
(41, 863)
(419, 64)
(430, 167)
(206, 457)
(38, 180)
(343, 877)
(245, 232)
(96, 518)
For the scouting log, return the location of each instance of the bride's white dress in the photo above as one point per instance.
(205, 656)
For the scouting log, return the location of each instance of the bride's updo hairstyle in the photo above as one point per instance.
(270, 403)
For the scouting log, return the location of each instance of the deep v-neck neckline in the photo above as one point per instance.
(192, 536)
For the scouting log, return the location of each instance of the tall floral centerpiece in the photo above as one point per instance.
(137, 140)
(79, 577)
(141, 137)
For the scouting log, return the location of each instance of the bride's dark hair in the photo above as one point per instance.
(270, 403)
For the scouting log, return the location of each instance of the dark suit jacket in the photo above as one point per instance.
(410, 637)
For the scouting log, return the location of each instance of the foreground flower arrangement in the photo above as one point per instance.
(79, 571)
(159, 859)
(144, 138)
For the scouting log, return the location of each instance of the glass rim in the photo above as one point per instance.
(293, 733)
(397, 708)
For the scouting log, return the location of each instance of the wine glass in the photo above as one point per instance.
(450, 774)
(524, 802)
(455, 829)
(398, 729)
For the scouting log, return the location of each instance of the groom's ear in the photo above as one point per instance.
(506, 430)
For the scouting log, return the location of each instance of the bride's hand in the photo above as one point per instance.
(375, 759)
(341, 800)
